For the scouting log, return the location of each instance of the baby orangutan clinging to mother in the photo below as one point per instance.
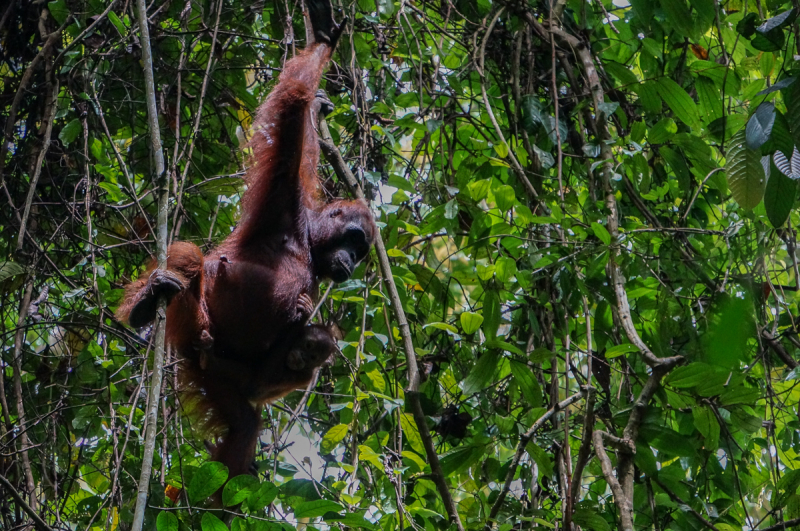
(238, 316)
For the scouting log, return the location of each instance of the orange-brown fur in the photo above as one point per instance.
(245, 292)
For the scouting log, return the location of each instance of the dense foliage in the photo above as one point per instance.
(589, 208)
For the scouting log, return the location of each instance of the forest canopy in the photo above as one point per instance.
(581, 311)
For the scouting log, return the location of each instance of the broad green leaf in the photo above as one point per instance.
(706, 423)
(776, 22)
(504, 345)
(478, 190)
(662, 131)
(678, 100)
(731, 325)
(601, 232)
(542, 459)
(491, 313)
(745, 421)
(70, 131)
(620, 350)
(505, 269)
(205, 482)
(779, 197)
(209, 522)
(470, 322)
(679, 17)
(461, 458)
(442, 326)
(333, 437)
(411, 433)
(689, 375)
(744, 172)
(540, 355)
(262, 496)
(527, 383)
(589, 519)
(759, 126)
(481, 374)
(505, 197)
(708, 95)
(238, 489)
(649, 96)
(117, 23)
(787, 486)
(316, 508)
(791, 98)
(166, 521)
(10, 269)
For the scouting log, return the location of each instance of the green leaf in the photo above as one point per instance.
(588, 519)
(316, 508)
(787, 486)
(731, 325)
(205, 482)
(238, 489)
(779, 197)
(744, 172)
(442, 326)
(745, 421)
(769, 42)
(166, 521)
(470, 322)
(679, 102)
(505, 197)
(679, 17)
(505, 269)
(333, 437)
(791, 98)
(776, 22)
(209, 522)
(59, 10)
(524, 377)
(759, 127)
(350, 520)
(649, 96)
(709, 97)
(461, 458)
(481, 374)
(411, 433)
(262, 497)
(706, 423)
(662, 131)
(540, 355)
(478, 190)
(541, 458)
(70, 131)
(491, 313)
(689, 375)
(620, 350)
(601, 232)
(117, 23)
(9, 269)
(780, 139)
(503, 345)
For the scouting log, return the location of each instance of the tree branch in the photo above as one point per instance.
(160, 180)
(40, 524)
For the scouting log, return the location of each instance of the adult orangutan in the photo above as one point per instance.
(238, 316)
